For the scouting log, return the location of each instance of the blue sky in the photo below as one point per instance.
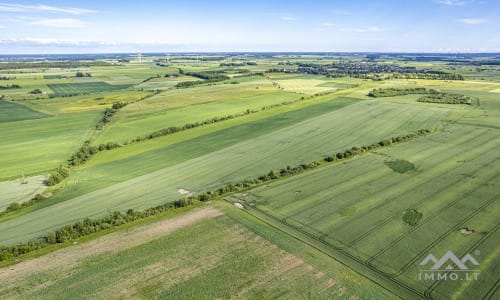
(273, 25)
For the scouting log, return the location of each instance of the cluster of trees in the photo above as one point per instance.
(412, 217)
(391, 92)
(36, 91)
(6, 78)
(446, 98)
(57, 176)
(109, 113)
(81, 74)
(89, 226)
(8, 87)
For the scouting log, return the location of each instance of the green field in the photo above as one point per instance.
(455, 171)
(39, 145)
(71, 89)
(179, 107)
(363, 194)
(11, 111)
(233, 262)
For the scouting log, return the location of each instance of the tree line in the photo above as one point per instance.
(431, 95)
(392, 92)
(8, 87)
(117, 218)
(447, 98)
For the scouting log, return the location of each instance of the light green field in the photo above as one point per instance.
(82, 103)
(39, 145)
(356, 206)
(183, 106)
(208, 257)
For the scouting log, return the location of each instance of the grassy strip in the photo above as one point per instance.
(117, 218)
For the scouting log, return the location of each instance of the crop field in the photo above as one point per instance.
(39, 145)
(456, 170)
(183, 106)
(234, 262)
(11, 111)
(66, 89)
(257, 176)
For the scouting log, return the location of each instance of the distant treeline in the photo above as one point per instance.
(9, 87)
(371, 70)
(432, 95)
(7, 78)
(117, 218)
(59, 64)
(242, 64)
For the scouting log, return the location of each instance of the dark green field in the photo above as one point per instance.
(71, 89)
(10, 111)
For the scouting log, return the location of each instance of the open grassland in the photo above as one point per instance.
(11, 111)
(38, 145)
(218, 158)
(356, 207)
(182, 106)
(201, 254)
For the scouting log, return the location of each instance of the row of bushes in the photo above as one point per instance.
(233, 64)
(391, 92)
(187, 84)
(446, 98)
(89, 226)
(57, 176)
(108, 114)
(16, 206)
(174, 129)
(6, 78)
(8, 87)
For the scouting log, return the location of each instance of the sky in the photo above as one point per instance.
(88, 26)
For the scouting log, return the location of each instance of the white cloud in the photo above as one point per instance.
(288, 18)
(362, 29)
(452, 2)
(7, 7)
(472, 21)
(61, 23)
(328, 24)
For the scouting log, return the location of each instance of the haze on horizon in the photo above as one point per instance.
(30, 27)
